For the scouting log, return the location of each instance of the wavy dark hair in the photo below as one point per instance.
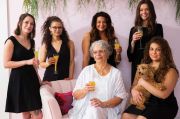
(166, 61)
(47, 37)
(94, 33)
(18, 29)
(152, 16)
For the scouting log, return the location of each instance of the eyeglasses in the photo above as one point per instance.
(56, 27)
(98, 51)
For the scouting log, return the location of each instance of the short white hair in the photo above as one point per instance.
(103, 44)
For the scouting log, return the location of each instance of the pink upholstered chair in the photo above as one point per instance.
(50, 106)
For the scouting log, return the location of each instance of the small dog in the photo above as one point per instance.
(146, 72)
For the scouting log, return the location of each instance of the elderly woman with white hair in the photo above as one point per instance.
(99, 88)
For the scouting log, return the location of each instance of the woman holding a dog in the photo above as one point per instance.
(162, 104)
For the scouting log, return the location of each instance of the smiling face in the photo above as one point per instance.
(144, 12)
(155, 52)
(101, 24)
(99, 54)
(56, 28)
(27, 25)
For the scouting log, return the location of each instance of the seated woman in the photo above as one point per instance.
(101, 100)
(162, 104)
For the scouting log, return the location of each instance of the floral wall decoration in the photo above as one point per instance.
(32, 6)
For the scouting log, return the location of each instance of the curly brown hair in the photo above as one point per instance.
(152, 16)
(94, 33)
(47, 37)
(166, 61)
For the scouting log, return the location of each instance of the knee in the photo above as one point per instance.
(141, 117)
(37, 114)
(26, 115)
(125, 116)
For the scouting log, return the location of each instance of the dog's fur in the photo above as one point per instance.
(146, 72)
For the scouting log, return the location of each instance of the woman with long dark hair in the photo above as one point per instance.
(56, 42)
(101, 28)
(144, 29)
(162, 104)
(23, 90)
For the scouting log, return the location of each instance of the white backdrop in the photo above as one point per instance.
(77, 22)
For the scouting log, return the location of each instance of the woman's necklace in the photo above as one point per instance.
(101, 70)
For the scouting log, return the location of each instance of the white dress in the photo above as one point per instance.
(106, 88)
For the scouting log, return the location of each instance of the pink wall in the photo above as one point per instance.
(77, 22)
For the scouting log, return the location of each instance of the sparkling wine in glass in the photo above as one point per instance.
(56, 57)
(140, 30)
(92, 83)
(116, 47)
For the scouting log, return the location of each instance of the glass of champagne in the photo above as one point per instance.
(92, 83)
(36, 52)
(56, 57)
(116, 47)
(140, 30)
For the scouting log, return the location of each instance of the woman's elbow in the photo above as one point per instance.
(6, 65)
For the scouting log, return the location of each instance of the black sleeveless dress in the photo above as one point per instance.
(62, 65)
(157, 108)
(111, 59)
(23, 89)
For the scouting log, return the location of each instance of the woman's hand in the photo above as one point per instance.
(89, 87)
(68, 78)
(51, 60)
(136, 36)
(46, 83)
(33, 61)
(96, 102)
(136, 96)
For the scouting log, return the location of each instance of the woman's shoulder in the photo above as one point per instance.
(158, 25)
(87, 35)
(71, 42)
(173, 70)
(11, 39)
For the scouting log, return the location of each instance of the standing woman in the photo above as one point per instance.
(56, 42)
(23, 89)
(101, 29)
(146, 19)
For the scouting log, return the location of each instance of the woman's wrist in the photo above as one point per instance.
(132, 43)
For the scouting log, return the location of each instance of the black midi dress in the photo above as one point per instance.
(23, 89)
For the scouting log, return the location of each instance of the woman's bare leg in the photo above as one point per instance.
(141, 117)
(26, 115)
(128, 116)
(37, 114)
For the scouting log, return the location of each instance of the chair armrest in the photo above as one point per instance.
(50, 106)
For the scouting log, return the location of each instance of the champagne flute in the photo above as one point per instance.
(56, 57)
(116, 47)
(140, 30)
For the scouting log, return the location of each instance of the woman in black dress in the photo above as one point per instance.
(101, 28)
(146, 20)
(56, 42)
(23, 89)
(162, 104)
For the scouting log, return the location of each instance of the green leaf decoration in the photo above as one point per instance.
(31, 6)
